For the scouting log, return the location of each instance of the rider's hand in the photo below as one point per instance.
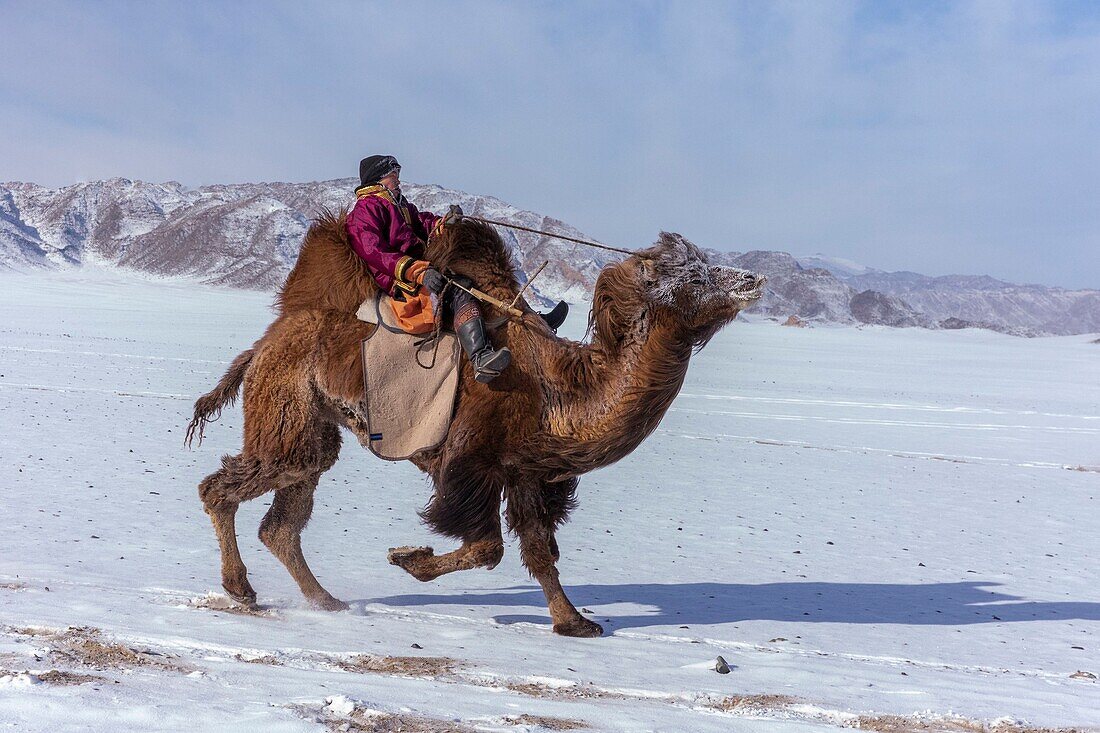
(433, 280)
(453, 215)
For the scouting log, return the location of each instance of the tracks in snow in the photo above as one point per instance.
(865, 450)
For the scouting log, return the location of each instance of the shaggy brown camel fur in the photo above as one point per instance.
(562, 409)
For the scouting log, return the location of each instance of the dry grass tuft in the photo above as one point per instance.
(913, 724)
(57, 677)
(267, 659)
(752, 703)
(402, 666)
(370, 721)
(84, 646)
(548, 722)
(225, 604)
(548, 692)
(13, 586)
(63, 678)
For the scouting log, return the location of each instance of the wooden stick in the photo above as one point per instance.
(529, 281)
(511, 310)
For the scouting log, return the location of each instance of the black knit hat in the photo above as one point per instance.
(376, 167)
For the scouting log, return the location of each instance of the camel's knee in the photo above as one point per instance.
(277, 538)
(242, 478)
(276, 532)
(215, 494)
(486, 553)
(283, 524)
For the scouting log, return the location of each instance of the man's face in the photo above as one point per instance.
(392, 181)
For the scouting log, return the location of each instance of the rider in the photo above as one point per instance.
(390, 234)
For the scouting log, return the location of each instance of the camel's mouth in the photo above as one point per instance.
(748, 286)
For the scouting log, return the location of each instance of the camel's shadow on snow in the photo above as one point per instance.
(678, 604)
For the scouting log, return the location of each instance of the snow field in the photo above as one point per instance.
(860, 521)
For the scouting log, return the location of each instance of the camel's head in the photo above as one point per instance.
(675, 284)
(682, 285)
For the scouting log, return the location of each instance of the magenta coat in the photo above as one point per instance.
(383, 236)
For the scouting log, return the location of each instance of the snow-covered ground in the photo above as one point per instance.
(861, 522)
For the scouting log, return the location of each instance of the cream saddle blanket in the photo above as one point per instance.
(410, 384)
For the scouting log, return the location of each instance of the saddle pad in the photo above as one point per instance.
(409, 393)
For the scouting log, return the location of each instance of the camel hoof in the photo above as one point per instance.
(247, 598)
(579, 627)
(329, 604)
(409, 558)
(400, 555)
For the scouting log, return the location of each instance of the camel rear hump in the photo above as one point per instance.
(328, 273)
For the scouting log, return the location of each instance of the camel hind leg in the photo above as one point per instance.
(281, 528)
(239, 479)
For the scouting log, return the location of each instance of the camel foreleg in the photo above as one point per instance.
(423, 564)
(466, 505)
(533, 512)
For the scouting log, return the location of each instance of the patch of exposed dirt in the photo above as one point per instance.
(85, 646)
(13, 586)
(913, 724)
(548, 722)
(752, 703)
(228, 605)
(401, 666)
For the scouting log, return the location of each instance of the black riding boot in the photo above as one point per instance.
(470, 328)
(556, 317)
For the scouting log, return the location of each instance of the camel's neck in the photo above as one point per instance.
(613, 397)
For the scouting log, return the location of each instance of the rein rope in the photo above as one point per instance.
(586, 242)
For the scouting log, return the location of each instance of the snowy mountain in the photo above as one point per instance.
(975, 300)
(981, 299)
(240, 235)
(247, 236)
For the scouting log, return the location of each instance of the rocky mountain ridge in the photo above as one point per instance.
(247, 236)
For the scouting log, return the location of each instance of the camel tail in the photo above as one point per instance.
(208, 408)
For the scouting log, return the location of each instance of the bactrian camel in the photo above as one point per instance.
(562, 409)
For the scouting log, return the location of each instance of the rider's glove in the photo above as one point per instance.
(433, 280)
(453, 215)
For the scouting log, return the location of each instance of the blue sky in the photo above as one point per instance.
(936, 137)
